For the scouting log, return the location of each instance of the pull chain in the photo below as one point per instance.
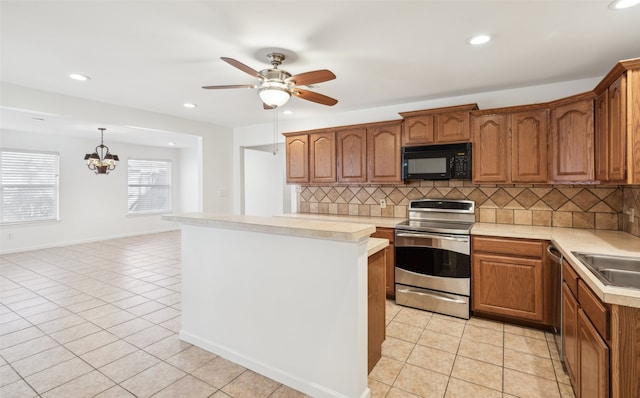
(275, 131)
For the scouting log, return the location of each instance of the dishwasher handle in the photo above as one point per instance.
(554, 253)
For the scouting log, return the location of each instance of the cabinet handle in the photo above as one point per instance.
(555, 253)
(436, 296)
(440, 237)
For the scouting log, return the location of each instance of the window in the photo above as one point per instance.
(28, 185)
(149, 186)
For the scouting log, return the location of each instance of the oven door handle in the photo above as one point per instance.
(436, 296)
(442, 237)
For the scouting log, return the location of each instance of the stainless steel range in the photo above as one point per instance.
(433, 256)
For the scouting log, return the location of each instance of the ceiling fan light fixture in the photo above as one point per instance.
(274, 93)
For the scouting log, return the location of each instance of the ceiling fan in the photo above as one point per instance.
(276, 86)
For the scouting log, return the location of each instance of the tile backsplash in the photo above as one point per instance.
(573, 206)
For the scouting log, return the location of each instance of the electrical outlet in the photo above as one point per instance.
(631, 214)
(383, 203)
(9, 236)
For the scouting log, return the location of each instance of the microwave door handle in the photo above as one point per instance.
(441, 237)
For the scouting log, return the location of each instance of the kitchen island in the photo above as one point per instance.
(286, 298)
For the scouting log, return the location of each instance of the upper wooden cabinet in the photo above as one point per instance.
(297, 152)
(572, 139)
(586, 138)
(322, 157)
(352, 154)
(383, 153)
(529, 148)
(510, 145)
(359, 153)
(611, 132)
(490, 148)
(618, 124)
(437, 126)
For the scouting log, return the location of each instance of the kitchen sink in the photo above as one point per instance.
(612, 270)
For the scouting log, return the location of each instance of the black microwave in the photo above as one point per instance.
(437, 162)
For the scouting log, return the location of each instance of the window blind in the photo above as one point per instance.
(29, 186)
(149, 186)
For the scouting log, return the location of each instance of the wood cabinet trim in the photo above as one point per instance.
(510, 109)
(620, 68)
(433, 111)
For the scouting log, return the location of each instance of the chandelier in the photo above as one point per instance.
(101, 161)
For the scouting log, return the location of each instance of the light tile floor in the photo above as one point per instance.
(101, 320)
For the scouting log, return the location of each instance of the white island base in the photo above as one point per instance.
(284, 298)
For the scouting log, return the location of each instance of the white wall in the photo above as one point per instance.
(263, 134)
(216, 152)
(264, 181)
(91, 207)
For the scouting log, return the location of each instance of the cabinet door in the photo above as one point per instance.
(529, 132)
(417, 130)
(352, 155)
(508, 286)
(570, 332)
(322, 157)
(452, 127)
(593, 360)
(490, 148)
(602, 137)
(383, 153)
(617, 147)
(572, 142)
(297, 152)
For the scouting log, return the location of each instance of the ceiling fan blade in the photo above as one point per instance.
(230, 86)
(316, 76)
(246, 69)
(314, 97)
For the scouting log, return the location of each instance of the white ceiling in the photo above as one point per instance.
(155, 55)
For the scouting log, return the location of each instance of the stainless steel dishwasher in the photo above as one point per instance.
(556, 258)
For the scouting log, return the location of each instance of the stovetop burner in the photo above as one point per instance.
(440, 216)
(446, 227)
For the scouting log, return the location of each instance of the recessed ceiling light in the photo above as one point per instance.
(190, 105)
(82, 78)
(479, 39)
(621, 4)
(287, 112)
(171, 143)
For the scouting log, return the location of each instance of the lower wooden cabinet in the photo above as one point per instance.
(376, 307)
(511, 279)
(586, 353)
(593, 355)
(389, 234)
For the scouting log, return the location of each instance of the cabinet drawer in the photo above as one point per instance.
(570, 276)
(518, 247)
(595, 310)
(384, 233)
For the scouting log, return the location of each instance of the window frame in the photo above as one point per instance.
(56, 187)
(170, 186)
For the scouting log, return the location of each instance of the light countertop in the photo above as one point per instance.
(279, 225)
(380, 222)
(375, 245)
